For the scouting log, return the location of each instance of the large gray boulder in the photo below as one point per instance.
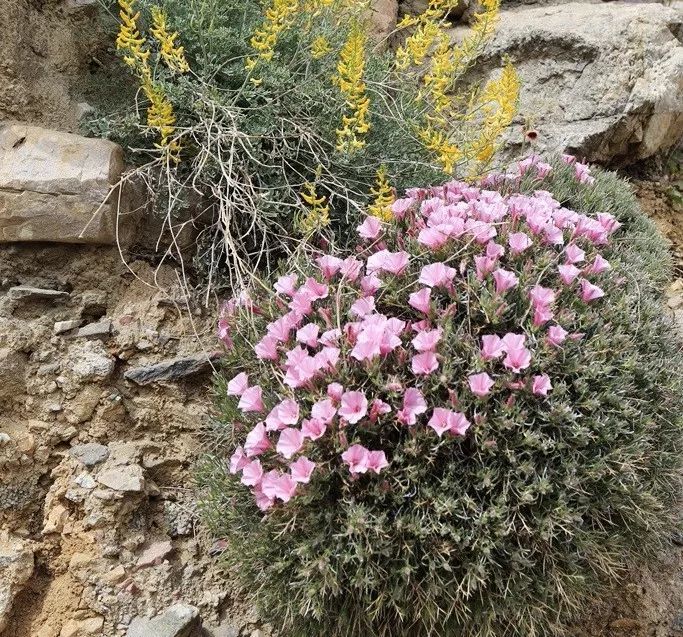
(56, 186)
(603, 81)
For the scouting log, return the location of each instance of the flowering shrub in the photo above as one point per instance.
(453, 428)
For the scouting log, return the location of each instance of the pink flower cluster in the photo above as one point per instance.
(351, 347)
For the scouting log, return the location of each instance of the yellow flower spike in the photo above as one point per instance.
(171, 54)
(129, 38)
(383, 197)
(278, 18)
(317, 215)
(349, 79)
(320, 47)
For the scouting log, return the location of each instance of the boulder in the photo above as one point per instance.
(16, 567)
(602, 81)
(56, 186)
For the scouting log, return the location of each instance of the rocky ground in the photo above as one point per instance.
(105, 366)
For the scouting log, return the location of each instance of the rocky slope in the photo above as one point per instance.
(105, 365)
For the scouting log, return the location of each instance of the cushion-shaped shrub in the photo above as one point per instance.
(461, 427)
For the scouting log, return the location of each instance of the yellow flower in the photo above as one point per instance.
(129, 38)
(349, 79)
(173, 55)
(383, 197)
(320, 47)
(317, 215)
(278, 18)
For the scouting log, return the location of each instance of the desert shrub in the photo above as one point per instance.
(462, 426)
(282, 119)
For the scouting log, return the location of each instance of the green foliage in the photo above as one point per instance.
(507, 532)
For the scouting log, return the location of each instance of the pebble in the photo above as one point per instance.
(126, 478)
(28, 293)
(176, 621)
(101, 328)
(89, 454)
(66, 326)
(154, 554)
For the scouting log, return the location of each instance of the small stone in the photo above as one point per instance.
(116, 575)
(82, 627)
(224, 630)
(85, 481)
(126, 478)
(89, 454)
(170, 370)
(89, 361)
(4, 438)
(101, 328)
(176, 621)
(27, 293)
(66, 326)
(154, 554)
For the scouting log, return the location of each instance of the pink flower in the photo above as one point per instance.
(266, 348)
(251, 400)
(444, 420)
(323, 410)
(283, 414)
(263, 502)
(257, 441)
(518, 242)
(574, 254)
(308, 334)
(281, 328)
(590, 292)
(301, 470)
(541, 385)
(556, 335)
(370, 284)
(517, 359)
(420, 300)
(427, 340)
(330, 337)
(424, 363)
(238, 460)
(335, 391)
(313, 429)
(543, 169)
(583, 173)
(329, 265)
(599, 265)
(252, 473)
(376, 461)
(494, 250)
(413, 405)
(484, 265)
(290, 441)
(354, 406)
(513, 341)
(370, 228)
(363, 306)
(401, 206)
(432, 238)
(385, 261)
(568, 273)
(356, 457)
(269, 482)
(238, 385)
(437, 274)
(350, 268)
(480, 384)
(377, 408)
(541, 297)
(491, 347)
(505, 280)
(286, 284)
(284, 487)
(542, 314)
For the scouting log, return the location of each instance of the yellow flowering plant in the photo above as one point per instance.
(287, 118)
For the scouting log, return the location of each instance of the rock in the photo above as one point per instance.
(56, 186)
(66, 326)
(12, 374)
(90, 453)
(101, 328)
(383, 18)
(124, 478)
(89, 361)
(82, 627)
(176, 621)
(154, 554)
(224, 630)
(603, 81)
(170, 370)
(28, 293)
(16, 567)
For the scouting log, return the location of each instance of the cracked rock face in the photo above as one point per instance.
(16, 567)
(603, 81)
